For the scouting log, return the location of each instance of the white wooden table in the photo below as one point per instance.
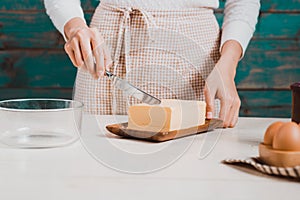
(73, 173)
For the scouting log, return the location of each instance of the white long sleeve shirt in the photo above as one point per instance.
(239, 20)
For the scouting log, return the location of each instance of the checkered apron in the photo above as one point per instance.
(166, 53)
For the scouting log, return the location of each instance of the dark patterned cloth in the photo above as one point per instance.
(288, 172)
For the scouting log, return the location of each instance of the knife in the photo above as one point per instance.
(131, 90)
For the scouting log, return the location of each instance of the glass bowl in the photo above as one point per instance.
(40, 123)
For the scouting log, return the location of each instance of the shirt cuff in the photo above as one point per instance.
(239, 31)
(62, 16)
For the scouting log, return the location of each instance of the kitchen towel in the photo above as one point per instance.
(255, 163)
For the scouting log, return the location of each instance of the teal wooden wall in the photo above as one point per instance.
(33, 63)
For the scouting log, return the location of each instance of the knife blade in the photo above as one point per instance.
(131, 90)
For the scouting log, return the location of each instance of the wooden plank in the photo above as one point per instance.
(280, 112)
(35, 30)
(265, 98)
(41, 68)
(47, 68)
(29, 30)
(273, 45)
(269, 69)
(265, 103)
(275, 5)
(275, 25)
(266, 5)
(17, 93)
(21, 5)
(279, 25)
(280, 5)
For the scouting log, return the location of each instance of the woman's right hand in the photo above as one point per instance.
(85, 46)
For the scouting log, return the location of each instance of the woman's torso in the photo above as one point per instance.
(169, 54)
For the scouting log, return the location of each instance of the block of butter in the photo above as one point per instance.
(171, 114)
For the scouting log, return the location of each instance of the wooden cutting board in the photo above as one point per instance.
(122, 130)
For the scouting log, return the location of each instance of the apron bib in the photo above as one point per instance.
(167, 53)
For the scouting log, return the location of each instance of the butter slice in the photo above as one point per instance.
(171, 114)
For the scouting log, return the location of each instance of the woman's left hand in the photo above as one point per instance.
(220, 84)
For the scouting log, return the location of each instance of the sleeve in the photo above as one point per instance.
(61, 11)
(240, 18)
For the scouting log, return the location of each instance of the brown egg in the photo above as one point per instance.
(270, 132)
(287, 138)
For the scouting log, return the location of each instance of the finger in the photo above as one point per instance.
(222, 110)
(234, 119)
(230, 115)
(231, 110)
(99, 57)
(77, 52)
(92, 66)
(86, 51)
(107, 56)
(235, 113)
(99, 44)
(107, 59)
(225, 108)
(70, 53)
(99, 62)
(209, 102)
(102, 62)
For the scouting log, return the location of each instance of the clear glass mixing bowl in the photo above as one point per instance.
(40, 123)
